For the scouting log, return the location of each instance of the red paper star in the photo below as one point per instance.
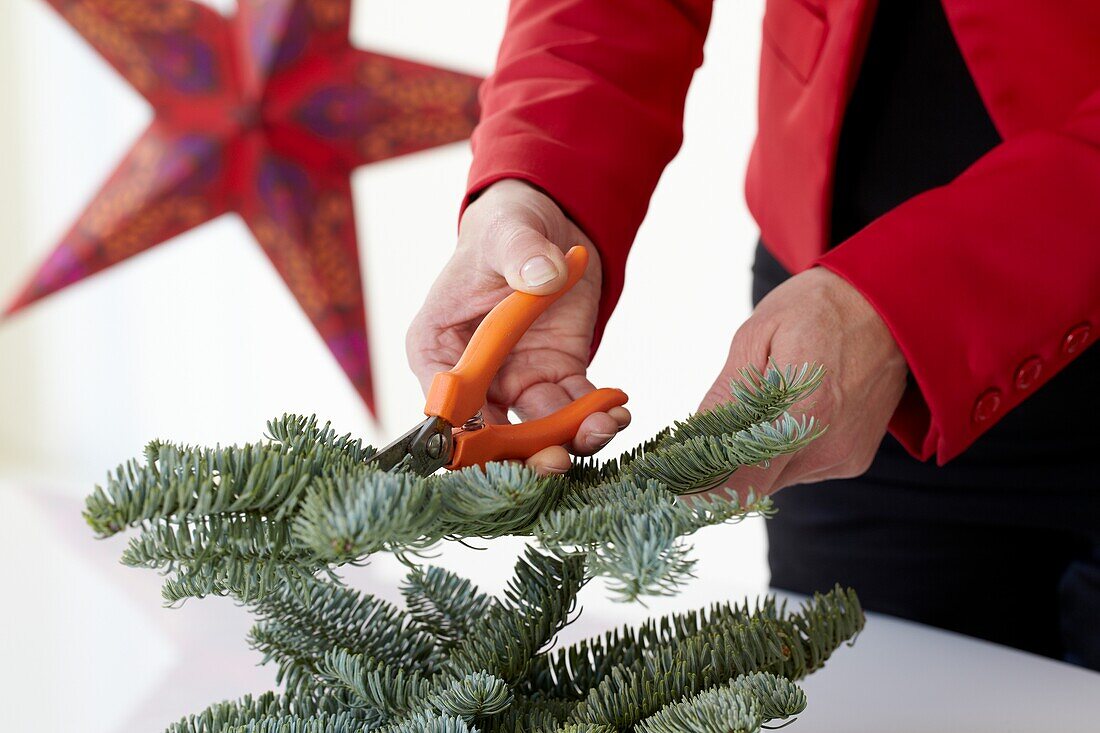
(266, 114)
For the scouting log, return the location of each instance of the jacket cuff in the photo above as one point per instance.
(988, 285)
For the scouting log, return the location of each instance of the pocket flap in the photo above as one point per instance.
(796, 32)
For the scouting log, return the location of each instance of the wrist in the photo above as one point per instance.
(514, 202)
(505, 194)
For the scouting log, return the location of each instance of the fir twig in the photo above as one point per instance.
(269, 524)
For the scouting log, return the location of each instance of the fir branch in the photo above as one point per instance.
(297, 627)
(346, 517)
(220, 716)
(755, 398)
(593, 470)
(743, 705)
(821, 624)
(723, 506)
(538, 601)
(642, 554)
(303, 436)
(759, 401)
(584, 515)
(443, 604)
(633, 530)
(247, 579)
(704, 462)
(474, 696)
(346, 721)
(778, 697)
(571, 672)
(181, 482)
(397, 694)
(429, 723)
(297, 667)
(495, 500)
(530, 715)
(343, 511)
(257, 711)
(630, 493)
(629, 694)
(725, 709)
(268, 523)
(375, 684)
(791, 646)
(246, 555)
(210, 538)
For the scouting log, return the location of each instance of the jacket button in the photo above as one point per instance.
(1028, 373)
(1075, 339)
(986, 406)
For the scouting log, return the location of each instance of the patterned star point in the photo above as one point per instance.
(264, 113)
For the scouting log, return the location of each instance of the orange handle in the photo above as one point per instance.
(457, 395)
(520, 442)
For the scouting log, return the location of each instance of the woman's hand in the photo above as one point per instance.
(513, 237)
(816, 316)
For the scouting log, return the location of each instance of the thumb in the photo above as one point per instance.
(531, 263)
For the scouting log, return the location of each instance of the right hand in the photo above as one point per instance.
(513, 237)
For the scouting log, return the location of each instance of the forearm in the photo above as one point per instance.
(586, 104)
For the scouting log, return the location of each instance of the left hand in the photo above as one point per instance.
(816, 316)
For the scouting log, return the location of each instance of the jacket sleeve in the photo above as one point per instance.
(990, 284)
(586, 103)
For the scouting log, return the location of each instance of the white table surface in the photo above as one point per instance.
(902, 677)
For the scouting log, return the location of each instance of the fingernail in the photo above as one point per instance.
(599, 440)
(538, 270)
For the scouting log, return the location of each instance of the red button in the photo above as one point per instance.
(1076, 339)
(1028, 373)
(987, 405)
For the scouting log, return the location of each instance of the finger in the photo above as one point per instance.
(621, 416)
(495, 414)
(795, 472)
(530, 262)
(423, 360)
(597, 429)
(546, 398)
(806, 467)
(594, 433)
(552, 460)
(540, 400)
(431, 348)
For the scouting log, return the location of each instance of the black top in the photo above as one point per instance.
(915, 120)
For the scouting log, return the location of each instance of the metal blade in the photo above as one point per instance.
(425, 449)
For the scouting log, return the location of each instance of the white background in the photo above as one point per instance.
(199, 341)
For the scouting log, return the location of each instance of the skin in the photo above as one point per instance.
(814, 316)
(500, 232)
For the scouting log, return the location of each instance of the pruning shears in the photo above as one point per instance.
(454, 435)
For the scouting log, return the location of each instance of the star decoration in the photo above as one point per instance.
(265, 114)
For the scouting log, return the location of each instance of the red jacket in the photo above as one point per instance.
(990, 284)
